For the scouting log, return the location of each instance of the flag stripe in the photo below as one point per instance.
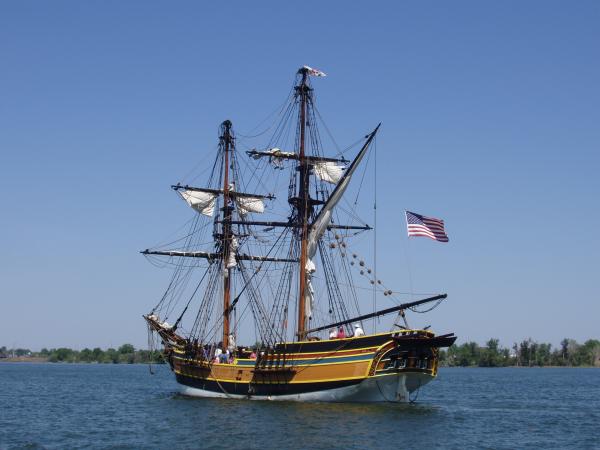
(419, 228)
(418, 225)
(422, 233)
(435, 227)
(425, 233)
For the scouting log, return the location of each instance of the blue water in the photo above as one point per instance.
(68, 406)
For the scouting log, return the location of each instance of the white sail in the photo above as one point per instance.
(231, 260)
(249, 204)
(309, 294)
(203, 202)
(328, 171)
(320, 225)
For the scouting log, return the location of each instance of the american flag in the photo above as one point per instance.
(430, 227)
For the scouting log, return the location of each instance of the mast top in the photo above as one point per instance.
(306, 70)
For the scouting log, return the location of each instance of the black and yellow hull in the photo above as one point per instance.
(380, 367)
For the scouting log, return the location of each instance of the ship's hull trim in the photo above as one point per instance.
(394, 388)
(376, 368)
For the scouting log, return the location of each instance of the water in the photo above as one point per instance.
(123, 406)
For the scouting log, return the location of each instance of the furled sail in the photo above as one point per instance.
(203, 202)
(323, 220)
(277, 152)
(276, 156)
(328, 171)
(232, 260)
(247, 205)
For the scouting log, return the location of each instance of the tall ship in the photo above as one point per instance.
(265, 300)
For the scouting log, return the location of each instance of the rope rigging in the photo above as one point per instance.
(268, 287)
(272, 252)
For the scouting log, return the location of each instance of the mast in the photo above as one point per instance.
(227, 237)
(303, 204)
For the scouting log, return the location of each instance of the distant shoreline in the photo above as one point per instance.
(35, 360)
(25, 359)
(125, 354)
(39, 360)
(519, 367)
(527, 353)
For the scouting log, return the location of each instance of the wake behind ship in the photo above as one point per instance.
(289, 279)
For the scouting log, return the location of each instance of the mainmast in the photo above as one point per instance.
(227, 238)
(303, 205)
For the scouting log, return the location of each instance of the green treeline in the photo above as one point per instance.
(125, 354)
(528, 353)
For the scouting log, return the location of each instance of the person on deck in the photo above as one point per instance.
(358, 331)
(218, 353)
(341, 334)
(224, 357)
(231, 346)
(333, 334)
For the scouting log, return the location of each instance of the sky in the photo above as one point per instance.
(490, 113)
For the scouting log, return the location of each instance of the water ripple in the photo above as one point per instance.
(54, 406)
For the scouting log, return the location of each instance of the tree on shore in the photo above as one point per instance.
(125, 354)
(527, 353)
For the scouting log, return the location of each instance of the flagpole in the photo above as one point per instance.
(408, 259)
(375, 241)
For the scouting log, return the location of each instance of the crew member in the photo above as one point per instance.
(358, 331)
(231, 345)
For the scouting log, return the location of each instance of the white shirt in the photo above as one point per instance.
(358, 331)
(333, 334)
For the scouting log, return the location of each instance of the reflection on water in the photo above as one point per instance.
(318, 410)
(362, 410)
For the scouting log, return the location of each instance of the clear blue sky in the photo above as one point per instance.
(490, 112)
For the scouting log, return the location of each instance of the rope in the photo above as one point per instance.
(435, 305)
(412, 402)
(150, 349)
(407, 257)
(221, 387)
(382, 394)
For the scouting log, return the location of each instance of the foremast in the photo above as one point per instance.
(225, 257)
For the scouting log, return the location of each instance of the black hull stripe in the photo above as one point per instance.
(262, 389)
(334, 344)
(404, 341)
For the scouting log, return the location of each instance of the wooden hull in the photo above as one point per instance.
(392, 388)
(382, 367)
